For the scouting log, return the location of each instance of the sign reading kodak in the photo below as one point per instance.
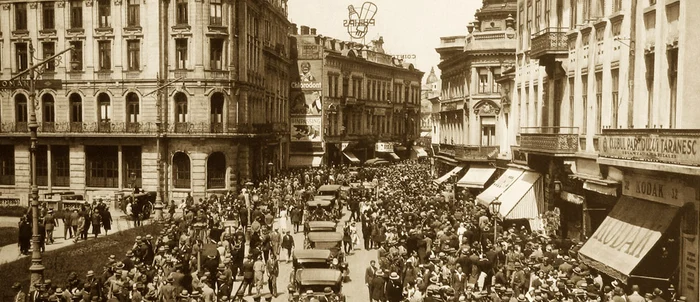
(668, 191)
(658, 147)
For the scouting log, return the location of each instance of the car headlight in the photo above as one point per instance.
(335, 261)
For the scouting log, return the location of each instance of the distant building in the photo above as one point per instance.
(429, 122)
(351, 102)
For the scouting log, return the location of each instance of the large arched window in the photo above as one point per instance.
(21, 112)
(217, 112)
(104, 105)
(181, 117)
(181, 170)
(216, 171)
(76, 112)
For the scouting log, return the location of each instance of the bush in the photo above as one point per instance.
(13, 211)
(79, 258)
(8, 235)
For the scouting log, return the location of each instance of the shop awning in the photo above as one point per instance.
(476, 176)
(520, 194)
(628, 233)
(448, 175)
(351, 156)
(602, 189)
(420, 151)
(305, 161)
(393, 155)
(446, 159)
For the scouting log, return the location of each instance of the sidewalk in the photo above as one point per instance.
(11, 252)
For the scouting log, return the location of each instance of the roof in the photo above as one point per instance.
(325, 236)
(319, 224)
(329, 188)
(319, 276)
(319, 202)
(312, 254)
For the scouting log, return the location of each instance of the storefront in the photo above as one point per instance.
(520, 192)
(385, 151)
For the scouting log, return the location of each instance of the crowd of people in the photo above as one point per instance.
(428, 248)
(77, 224)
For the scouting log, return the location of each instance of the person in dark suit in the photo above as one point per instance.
(248, 274)
(288, 244)
(378, 284)
(369, 276)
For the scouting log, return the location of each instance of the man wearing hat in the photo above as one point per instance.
(50, 222)
(378, 287)
(657, 295)
(394, 289)
(167, 291)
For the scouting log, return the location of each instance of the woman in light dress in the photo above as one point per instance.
(283, 218)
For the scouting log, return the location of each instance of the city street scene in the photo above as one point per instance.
(349, 151)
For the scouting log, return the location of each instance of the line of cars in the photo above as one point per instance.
(319, 270)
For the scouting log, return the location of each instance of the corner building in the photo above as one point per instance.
(473, 113)
(104, 127)
(351, 102)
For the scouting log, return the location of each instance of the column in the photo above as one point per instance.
(120, 173)
(49, 168)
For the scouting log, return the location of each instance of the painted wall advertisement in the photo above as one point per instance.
(307, 106)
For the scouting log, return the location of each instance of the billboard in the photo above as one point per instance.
(305, 128)
(306, 106)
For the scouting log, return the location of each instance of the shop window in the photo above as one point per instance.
(102, 166)
(60, 166)
(7, 164)
(181, 170)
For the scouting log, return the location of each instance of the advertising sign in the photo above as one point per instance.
(358, 23)
(309, 75)
(383, 147)
(659, 147)
(306, 128)
(671, 192)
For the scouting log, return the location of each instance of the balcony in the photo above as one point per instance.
(551, 41)
(549, 140)
(104, 127)
(48, 127)
(141, 128)
(491, 40)
(475, 153)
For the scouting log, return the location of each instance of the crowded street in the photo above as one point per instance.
(402, 238)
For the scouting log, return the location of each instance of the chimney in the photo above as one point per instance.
(304, 30)
(312, 31)
(295, 29)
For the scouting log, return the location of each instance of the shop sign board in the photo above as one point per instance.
(383, 147)
(305, 128)
(656, 147)
(666, 191)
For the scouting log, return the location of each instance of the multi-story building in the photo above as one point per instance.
(472, 119)
(610, 160)
(428, 124)
(104, 124)
(351, 102)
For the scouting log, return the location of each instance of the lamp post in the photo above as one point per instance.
(249, 200)
(33, 71)
(495, 210)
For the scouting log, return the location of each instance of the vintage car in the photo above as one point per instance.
(145, 200)
(323, 284)
(63, 201)
(327, 203)
(331, 241)
(329, 190)
(320, 226)
(311, 258)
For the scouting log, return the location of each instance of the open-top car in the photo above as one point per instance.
(324, 207)
(323, 284)
(311, 258)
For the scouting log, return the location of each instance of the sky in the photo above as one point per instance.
(409, 27)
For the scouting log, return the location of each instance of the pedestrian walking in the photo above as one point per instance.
(288, 244)
(50, 222)
(106, 218)
(272, 274)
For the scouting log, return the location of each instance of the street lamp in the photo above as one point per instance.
(33, 71)
(495, 210)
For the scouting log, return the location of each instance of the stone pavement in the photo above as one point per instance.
(11, 252)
